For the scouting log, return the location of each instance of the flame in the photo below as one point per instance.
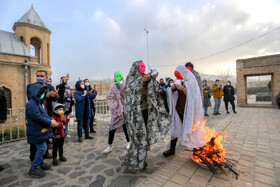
(213, 149)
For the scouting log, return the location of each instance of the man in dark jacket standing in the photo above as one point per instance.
(3, 110)
(38, 129)
(229, 96)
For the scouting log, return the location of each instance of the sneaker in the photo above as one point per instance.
(63, 159)
(80, 139)
(168, 153)
(235, 112)
(206, 115)
(89, 137)
(108, 149)
(45, 166)
(228, 112)
(68, 136)
(36, 173)
(55, 162)
(215, 114)
(127, 145)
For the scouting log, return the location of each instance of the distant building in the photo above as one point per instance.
(263, 65)
(29, 42)
(101, 86)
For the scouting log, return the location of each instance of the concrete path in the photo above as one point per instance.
(253, 141)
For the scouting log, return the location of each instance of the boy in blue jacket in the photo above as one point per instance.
(38, 129)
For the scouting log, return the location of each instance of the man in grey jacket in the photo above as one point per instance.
(190, 66)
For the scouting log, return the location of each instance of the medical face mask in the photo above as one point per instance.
(83, 86)
(228, 83)
(118, 76)
(142, 67)
(60, 112)
(87, 83)
(217, 83)
(42, 96)
(40, 80)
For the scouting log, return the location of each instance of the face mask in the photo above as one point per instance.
(142, 67)
(171, 84)
(40, 80)
(204, 84)
(49, 83)
(87, 83)
(118, 76)
(217, 83)
(228, 83)
(83, 86)
(42, 96)
(178, 75)
(60, 112)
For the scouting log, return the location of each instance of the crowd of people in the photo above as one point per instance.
(143, 109)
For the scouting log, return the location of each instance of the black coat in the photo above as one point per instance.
(228, 93)
(3, 105)
(62, 98)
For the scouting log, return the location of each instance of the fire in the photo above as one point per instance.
(213, 150)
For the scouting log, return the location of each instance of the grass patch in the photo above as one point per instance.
(15, 134)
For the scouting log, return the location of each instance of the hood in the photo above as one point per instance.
(78, 88)
(55, 105)
(33, 90)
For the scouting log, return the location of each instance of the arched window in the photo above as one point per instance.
(21, 38)
(8, 95)
(35, 49)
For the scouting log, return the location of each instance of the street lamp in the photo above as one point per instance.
(148, 59)
(25, 64)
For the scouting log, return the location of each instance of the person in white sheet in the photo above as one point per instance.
(186, 112)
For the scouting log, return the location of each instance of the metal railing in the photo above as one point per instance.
(15, 129)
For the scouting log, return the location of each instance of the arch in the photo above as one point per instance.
(36, 45)
(21, 38)
(8, 95)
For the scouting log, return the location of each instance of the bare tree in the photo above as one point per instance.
(224, 74)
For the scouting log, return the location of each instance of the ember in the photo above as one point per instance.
(212, 155)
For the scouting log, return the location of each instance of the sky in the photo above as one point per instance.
(94, 39)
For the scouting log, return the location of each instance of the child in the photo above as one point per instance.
(38, 129)
(59, 133)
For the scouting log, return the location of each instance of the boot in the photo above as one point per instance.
(171, 151)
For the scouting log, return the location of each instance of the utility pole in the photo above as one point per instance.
(148, 58)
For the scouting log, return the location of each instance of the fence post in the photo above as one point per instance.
(18, 123)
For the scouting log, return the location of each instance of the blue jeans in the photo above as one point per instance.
(83, 124)
(205, 110)
(41, 149)
(66, 126)
(217, 104)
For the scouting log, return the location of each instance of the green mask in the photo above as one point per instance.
(118, 76)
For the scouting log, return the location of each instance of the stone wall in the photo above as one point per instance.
(264, 65)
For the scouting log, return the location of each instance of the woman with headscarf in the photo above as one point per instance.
(82, 109)
(186, 112)
(145, 116)
(115, 99)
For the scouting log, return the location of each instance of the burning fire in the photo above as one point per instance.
(213, 150)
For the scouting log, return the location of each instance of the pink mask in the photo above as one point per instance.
(142, 67)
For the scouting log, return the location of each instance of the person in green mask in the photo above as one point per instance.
(115, 99)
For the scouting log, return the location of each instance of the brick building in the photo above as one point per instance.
(264, 65)
(29, 43)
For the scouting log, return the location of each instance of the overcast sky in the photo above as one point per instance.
(93, 39)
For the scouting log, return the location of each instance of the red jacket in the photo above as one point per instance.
(59, 131)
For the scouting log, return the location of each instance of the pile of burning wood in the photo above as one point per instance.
(212, 155)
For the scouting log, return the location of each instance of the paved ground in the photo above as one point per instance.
(253, 141)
